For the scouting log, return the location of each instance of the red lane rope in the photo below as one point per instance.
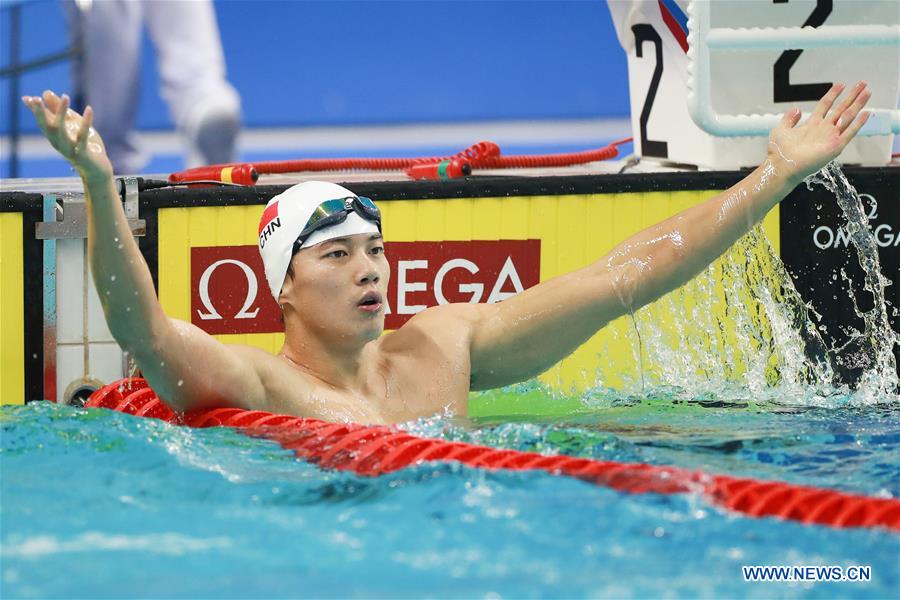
(375, 450)
(483, 155)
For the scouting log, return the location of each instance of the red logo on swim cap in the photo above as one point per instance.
(268, 223)
(270, 213)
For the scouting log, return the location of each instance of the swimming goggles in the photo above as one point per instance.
(333, 212)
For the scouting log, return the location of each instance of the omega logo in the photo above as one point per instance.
(252, 288)
(825, 237)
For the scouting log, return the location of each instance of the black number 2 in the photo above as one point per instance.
(644, 32)
(785, 91)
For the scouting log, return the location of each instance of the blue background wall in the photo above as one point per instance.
(330, 63)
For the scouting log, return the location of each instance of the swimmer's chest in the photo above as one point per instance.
(400, 387)
(430, 367)
(418, 385)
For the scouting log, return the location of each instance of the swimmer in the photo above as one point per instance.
(325, 265)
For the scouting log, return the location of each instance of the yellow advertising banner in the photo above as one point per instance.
(468, 249)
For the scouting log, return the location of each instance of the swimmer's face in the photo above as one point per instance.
(339, 287)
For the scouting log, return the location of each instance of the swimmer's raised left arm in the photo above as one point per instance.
(525, 335)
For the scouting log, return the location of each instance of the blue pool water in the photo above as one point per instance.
(99, 504)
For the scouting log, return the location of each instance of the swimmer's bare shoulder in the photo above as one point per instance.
(430, 355)
(445, 322)
(282, 388)
(444, 330)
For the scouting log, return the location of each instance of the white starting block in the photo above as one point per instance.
(709, 79)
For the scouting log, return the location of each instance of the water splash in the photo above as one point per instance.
(741, 330)
(741, 327)
(877, 338)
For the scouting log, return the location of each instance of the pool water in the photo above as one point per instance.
(101, 504)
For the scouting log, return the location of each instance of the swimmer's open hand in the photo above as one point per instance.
(805, 149)
(71, 134)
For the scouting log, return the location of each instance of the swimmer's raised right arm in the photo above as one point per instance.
(187, 367)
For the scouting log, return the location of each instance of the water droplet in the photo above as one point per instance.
(112, 277)
(180, 382)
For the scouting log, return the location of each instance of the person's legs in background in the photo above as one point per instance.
(108, 75)
(204, 106)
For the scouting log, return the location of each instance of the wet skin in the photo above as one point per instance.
(337, 365)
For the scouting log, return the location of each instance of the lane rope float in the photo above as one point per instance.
(482, 155)
(375, 450)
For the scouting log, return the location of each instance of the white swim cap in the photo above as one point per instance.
(287, 214)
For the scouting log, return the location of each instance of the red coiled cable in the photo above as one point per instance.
(375, 450)
(483, 155)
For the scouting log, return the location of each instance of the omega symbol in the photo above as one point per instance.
(252, 287)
